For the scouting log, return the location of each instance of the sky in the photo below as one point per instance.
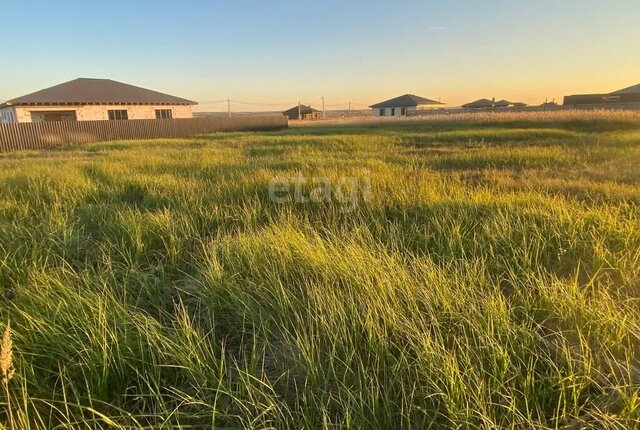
(270, 54)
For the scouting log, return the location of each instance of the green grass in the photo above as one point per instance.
(491, 280)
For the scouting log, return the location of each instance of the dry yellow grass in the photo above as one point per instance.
(6, 355)
(484, 117)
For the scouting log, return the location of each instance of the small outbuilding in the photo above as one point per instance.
(403, 105)
(302, 112)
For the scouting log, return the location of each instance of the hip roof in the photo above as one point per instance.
(97, 91)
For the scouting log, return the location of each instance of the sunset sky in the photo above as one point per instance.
(273, 53)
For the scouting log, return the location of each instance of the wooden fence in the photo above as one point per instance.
(39, 135)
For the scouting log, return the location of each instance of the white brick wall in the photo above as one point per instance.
(398, 111)
(99, 112)
(389, 111)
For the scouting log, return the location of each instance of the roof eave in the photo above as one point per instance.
(109, 103)
(97, 89)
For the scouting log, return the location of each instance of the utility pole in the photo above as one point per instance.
(349, 106)
(229, 107)
(299, 110)
(324, 116)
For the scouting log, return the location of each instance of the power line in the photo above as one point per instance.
(316, 101)
(346, 103)
(322, 100)
(214, 102)
(262, 103)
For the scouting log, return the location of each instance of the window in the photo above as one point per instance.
(164, 114)
(7, 117)
(393, 111)
(118, 114)
(382, 112)
(403, 111)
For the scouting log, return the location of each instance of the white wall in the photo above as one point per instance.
(388, 111)
(429, 107)
(398, 110)
(100, 112)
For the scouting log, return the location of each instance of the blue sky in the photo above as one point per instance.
(276, 52)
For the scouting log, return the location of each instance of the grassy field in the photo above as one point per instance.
(457, 274)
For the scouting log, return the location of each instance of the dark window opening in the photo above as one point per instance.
(382, 112)
(393, 111)
(115, 115)
(403, 111)
(164, 114)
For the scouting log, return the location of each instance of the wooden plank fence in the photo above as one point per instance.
(39, 135)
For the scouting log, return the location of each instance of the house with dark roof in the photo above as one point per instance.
(479, 104)
(626, 97)
(94, 99)
(403, 105)
(301, 112)
(492, 104)
(502, 104)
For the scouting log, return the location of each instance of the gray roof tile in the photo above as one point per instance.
(97, 91)
(407, 100)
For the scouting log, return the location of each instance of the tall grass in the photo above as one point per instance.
(490, 281)
(579, 116)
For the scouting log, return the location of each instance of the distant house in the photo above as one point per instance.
(492, 104)
(401, 106)
(302, 112)
(479, 104)
(584, 99)
(502, 104)
(549, 105)
(626, 97)
(94, 99)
